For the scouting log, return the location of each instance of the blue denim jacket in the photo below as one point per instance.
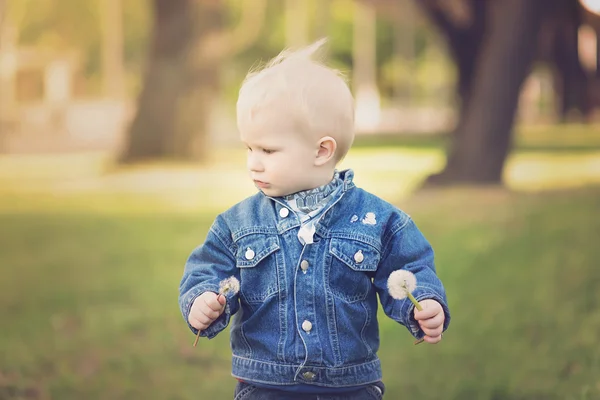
(308, 314)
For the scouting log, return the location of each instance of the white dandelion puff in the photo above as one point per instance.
(230, 284)
(401, 283)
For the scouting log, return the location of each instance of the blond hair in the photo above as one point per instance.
(315, 95)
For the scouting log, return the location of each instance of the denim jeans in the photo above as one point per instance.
(245, 391)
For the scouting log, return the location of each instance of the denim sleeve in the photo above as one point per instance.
(409, 250)
(206, 267)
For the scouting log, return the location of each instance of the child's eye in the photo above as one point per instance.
(268, 151)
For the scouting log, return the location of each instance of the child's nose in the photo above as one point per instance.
(254, 163)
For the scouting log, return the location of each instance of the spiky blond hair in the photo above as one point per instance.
(316, 96)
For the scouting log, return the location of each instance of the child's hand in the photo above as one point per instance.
(206, 308)
(431, 319)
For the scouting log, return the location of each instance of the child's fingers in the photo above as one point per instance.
(433, 332)
(209, 313)
(429, 310)
(426, 313)
(203, 317)
(207, 319)
(214, 303)
(196, 323)
(432, 340)
(205, 310)
(431, 323)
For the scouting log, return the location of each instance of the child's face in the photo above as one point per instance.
(281, 159)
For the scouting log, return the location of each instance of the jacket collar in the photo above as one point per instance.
(347, 176)
(287, 219)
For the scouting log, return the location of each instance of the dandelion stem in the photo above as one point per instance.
(417, 306)
(414, 301)
(411, 297)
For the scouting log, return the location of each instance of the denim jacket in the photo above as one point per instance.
(307, 314)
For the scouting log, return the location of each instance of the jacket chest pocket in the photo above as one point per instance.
(256, 257)
(352, 266)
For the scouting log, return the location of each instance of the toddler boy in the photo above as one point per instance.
(310, 252)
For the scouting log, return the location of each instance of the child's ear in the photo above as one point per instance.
(326, 151)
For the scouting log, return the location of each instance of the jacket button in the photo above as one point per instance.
(359, 257)
(304, 265)
(307, 326)
(249, 254)
(309, 376)
(284, 212)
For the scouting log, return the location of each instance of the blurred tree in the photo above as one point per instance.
(493, 45)
(189, 43)
(323, 18)
(364, 81)
(113, 72)
(296, 23)
(463, 25)
(82, 28)
(501, 62)
(64, 24)
(3, 80)
(2, 13)
(590, 28)
(10, 19)
(560, 48)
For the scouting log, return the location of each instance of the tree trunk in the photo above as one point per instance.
(464, 38)
(572, 78)
(597, 54)
(478, 153)
(174, 105)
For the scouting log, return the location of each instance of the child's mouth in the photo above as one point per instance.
(261, 184)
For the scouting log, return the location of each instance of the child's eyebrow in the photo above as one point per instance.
(260, 145)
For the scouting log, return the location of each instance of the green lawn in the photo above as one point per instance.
(90, 260)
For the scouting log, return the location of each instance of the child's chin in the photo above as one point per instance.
(273, 192)
(269, 191)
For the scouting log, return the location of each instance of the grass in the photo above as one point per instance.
(90, 263)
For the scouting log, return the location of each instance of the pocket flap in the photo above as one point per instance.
(252, 249)
(357, 255)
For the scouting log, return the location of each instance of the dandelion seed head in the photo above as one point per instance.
(230, 284)
(401, 281)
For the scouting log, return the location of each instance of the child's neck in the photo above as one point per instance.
(322, 180)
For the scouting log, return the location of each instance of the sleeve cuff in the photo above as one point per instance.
(220, 323)
(407, 307)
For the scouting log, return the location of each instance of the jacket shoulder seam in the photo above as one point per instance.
(228, 244)
(397, 227)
